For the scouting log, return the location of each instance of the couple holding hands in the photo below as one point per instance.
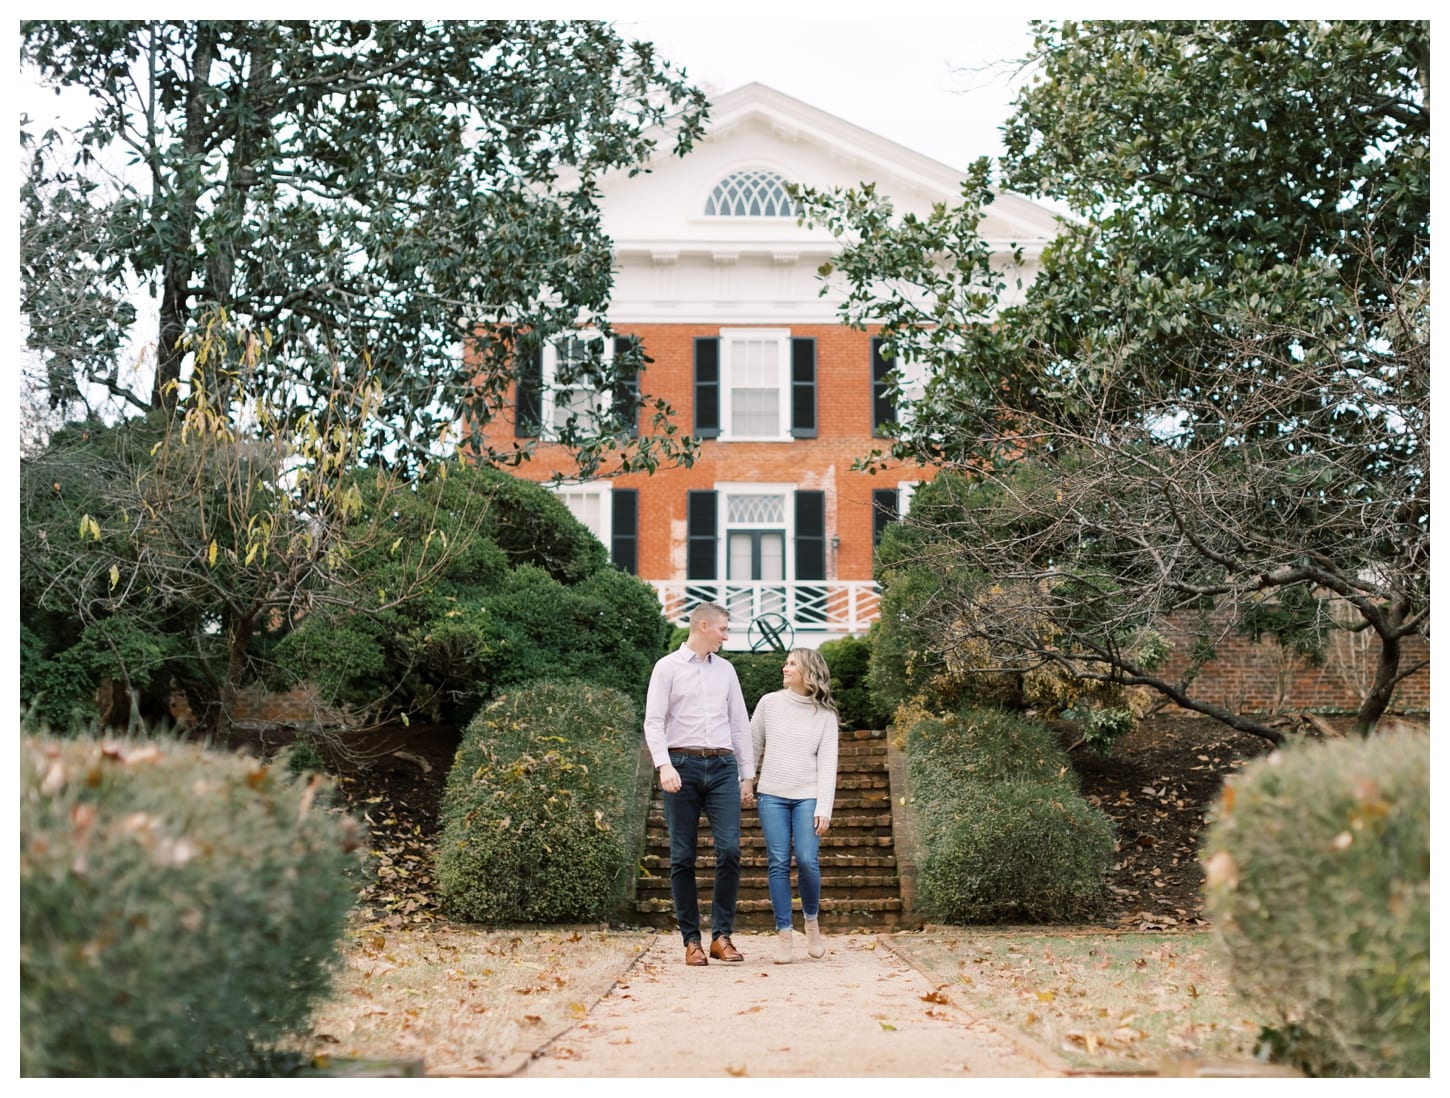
(706, 751)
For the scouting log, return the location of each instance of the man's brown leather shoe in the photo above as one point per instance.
(723, 950)
(694, 955)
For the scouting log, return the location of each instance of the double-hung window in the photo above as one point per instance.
(611, 514)
(561, 390)
(755, 385)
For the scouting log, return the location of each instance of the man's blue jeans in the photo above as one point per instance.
(784, 820)
(711, 786)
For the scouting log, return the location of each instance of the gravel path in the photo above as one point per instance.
(859, 1011)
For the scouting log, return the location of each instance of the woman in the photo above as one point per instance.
(796, 743)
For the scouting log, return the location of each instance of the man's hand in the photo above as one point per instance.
(669, 779)
(823, 824)
(747, 793)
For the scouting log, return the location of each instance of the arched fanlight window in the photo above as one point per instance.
(754, 193)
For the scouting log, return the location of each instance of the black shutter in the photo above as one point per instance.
(624, 524)
(803, 388)
(810, 556)
(700, 536)
(529, 409)
(707, 387)
(883, 408)
(884, 510)
(628, 357)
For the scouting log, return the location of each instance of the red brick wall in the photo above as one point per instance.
(1246, 677)
(843, 411)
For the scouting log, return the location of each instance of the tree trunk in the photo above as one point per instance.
(181, 195)
(1386, 675)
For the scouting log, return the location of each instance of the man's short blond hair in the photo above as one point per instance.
(712, 611)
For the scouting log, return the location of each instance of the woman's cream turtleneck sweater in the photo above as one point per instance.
(796, 744)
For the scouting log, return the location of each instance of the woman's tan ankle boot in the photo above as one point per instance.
(815, 940)
(782, 946)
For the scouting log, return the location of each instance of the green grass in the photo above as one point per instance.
(1102, 1000)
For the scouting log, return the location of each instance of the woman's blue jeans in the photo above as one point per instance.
(785, 821)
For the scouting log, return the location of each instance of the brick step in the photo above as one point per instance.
(829, 906)
(749, 821)
(862, 781)
(660, 844)
(856, 885)
(659, 864)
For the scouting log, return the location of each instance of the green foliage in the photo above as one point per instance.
(1015, 852)
(1101, 728)
(1004, 833)
(607, 630)
(956, 632)
(759, 674)
(522, 590)
(1218, 376)
(347, 185)
(538, 817)
(536, 527)
(180, 910)
(849, 659)
(985, 745)
(174, 550)
(1318, 886)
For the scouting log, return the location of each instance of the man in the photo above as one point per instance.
(698, 734)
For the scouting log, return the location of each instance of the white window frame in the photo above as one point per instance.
(548, 384)
(904, 491)
(729, 338)
(723, 491)
(603, 492)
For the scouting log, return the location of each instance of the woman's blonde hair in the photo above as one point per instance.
(817, 676)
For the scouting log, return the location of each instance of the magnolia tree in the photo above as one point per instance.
(369, 193)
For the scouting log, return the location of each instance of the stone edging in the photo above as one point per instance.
(1029, 1048)
(519, 1059)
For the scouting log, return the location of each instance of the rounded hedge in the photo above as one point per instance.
(538, 815)
(849, 659)
(981, 745)
(1004, 834)
(1013, 851)
(180, 909)
(1317, 867)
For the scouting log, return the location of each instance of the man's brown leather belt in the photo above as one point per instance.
(705, 752)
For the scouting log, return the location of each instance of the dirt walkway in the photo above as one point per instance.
(859, 1011)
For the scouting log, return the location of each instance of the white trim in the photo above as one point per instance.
(728, 374)
(601, 401)
(603, 492)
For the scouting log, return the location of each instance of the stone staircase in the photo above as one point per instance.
(860, 884)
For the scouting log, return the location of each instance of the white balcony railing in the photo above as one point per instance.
(815, 609)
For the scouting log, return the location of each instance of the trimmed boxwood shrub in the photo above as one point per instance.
(1004, 834)
(759, 674)
(982, 745)
(180, 909)
(1013, 851)
(849, 659)
(1318, 886)
(538, 814)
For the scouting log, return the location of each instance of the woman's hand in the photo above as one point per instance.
(823, 824)
(747, 793)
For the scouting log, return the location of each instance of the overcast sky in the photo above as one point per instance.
(938, 86)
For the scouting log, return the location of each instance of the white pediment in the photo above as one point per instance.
(671, 254)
